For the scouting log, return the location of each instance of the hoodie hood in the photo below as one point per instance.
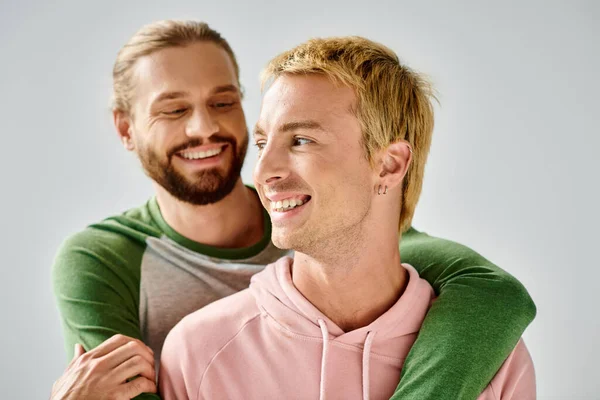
(278, 298)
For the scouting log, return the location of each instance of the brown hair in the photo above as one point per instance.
(154, 37)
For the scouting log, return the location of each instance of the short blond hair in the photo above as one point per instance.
(151, 38)
(393, 102)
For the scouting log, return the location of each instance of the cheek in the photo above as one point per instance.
(346, 163)
(345, 183)
(261, 197)
(165, 134)
(234, 122)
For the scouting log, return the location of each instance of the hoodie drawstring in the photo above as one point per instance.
(325, 334)
(365, 364)
(365, 361)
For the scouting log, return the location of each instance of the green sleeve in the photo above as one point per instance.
(471, 328)
(96, 276)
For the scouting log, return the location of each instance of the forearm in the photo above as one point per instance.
(472, 327)
(96, 292)
(91, 326)
(464, 340)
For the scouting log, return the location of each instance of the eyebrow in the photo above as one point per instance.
(169, 96)
(291, 126)
(295, 125)
(226, 88)
(258, 131)
(179, 94)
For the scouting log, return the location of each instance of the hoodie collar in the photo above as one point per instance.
(277, 296)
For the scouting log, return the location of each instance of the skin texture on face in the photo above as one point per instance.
(187, 124)
(310, 150)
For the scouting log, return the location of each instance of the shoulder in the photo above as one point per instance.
(198, 338)
(214, 325)
(515, 379)
(133, 225)
(112, 247)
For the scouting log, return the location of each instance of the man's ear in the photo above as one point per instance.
(123, 124)
(395, 160)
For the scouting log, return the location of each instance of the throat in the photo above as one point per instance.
(351, 298)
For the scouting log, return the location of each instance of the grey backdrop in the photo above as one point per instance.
(513, 171)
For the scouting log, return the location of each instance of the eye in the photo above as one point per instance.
(177, 111)
(222, 105)
(300, 141)
(260, 144)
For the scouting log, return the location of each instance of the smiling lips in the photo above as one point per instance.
(199, 155)
(289, 203)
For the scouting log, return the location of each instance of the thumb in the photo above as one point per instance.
(79, 350)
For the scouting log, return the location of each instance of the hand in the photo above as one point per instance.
(103, 373)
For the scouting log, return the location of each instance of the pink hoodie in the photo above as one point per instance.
(269, 342)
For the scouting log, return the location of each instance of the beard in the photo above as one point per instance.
(204, 187)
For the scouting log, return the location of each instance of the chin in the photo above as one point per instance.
(281, 241)
(286, 240)
(296, 241)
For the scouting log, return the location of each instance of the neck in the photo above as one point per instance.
(236, 221)
(357, 283)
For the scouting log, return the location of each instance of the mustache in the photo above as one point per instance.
(284, 187)
(216, 138)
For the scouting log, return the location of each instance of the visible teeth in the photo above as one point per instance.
(201, 154)
(286, 204)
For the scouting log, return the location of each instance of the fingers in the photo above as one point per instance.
(79, 350)
(109, 345)
(107, 368)
(126, 351)
(112, 344)
(134, 366)
(136, 387)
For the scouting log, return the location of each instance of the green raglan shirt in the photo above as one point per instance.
(133, 274)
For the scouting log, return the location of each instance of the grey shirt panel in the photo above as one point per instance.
(176, 281)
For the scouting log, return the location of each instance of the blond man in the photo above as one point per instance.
(343, 137)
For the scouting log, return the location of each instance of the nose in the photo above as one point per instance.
(272, 165)
(201, 123)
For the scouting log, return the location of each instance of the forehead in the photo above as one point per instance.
(199, 66)
(307, 97)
